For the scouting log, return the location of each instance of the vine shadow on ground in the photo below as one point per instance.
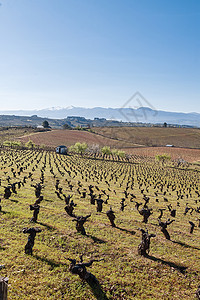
(96, 288)
(185, 245)
(96, 240)
(179, 268)
(50, 262)
(126, 230)
(49, 227)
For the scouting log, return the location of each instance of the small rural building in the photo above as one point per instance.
(61, 149)
(169, 145)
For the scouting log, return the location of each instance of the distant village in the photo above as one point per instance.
(75, 122)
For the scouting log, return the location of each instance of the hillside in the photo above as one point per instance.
(34, 120)
(54, 138)
(153, 136)
(125, 137)
(69, 137)
(125, 113)
(11, 133)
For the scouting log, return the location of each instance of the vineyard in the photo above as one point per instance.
(69, 137)
(153, 136)
(169, 271)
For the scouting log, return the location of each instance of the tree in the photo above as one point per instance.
(165, 125)
(42, 146)
(67, 126)
(114, 151)
(106, 151)
(162, 157)
(30, 144)
(16, 144)
(121, 154)
(12, 144)
(118, 153)
(79, 148)
(77, 127)
(45, 124)
(95, 149)
(7, 143)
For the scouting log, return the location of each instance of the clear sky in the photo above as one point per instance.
(99, 53)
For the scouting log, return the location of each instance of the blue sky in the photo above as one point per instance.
(99, 53)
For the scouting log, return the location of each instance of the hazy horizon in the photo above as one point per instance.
(81, 107)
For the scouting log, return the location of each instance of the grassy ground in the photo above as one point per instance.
(171, 271)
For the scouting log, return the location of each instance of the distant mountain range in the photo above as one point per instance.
(142, 114)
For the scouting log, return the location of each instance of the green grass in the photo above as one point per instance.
(122, 273)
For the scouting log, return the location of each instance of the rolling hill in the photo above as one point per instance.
(125, 114)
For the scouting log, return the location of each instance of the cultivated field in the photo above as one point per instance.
(69, 137)
(190, 155)
(154, 136)
(169, 271)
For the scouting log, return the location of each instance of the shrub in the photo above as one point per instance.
(7, 143)
(67, 126)
(16, 144)
(78, 148)
(30, 144)
(114, 151)
(106, 150)
(162, 157)
(121, 153)
(95, 148)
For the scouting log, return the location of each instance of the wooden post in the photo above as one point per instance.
(3, 288)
